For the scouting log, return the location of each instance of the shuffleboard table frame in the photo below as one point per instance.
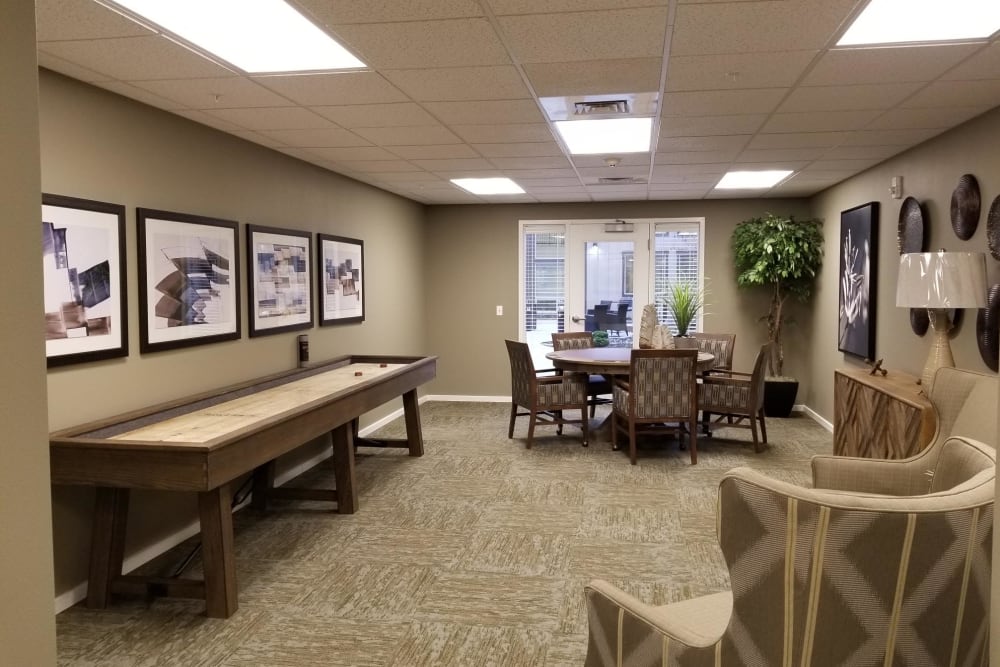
(115, 466)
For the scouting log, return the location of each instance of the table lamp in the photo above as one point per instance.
(940, 281)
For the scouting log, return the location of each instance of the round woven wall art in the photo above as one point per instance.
(910, 232)
(988, 329)
(965, 207)
(993, 228)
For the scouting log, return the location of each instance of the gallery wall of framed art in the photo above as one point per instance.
(83, 260)
(279, 285)
(341, 290)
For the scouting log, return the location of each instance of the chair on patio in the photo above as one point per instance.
(720, 345)
(544, 397)
(830, 575)
(737, 398)
(597, 385)
(616, 320)
(659, 396)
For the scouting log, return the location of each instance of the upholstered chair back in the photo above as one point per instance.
(721, 345)
(661, 383)
(573, 340)
(522, 372)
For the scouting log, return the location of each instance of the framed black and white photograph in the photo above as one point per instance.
(279, 264)
(188, 277)
(341, 280)
(83, 260)
(858, 273)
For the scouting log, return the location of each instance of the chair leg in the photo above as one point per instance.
(559, 416)
(763, 425)
(753, 431)
(584, 424)
(693, 440)
(513, 415)
(632, 449)
(593, 407)
(614, 430)
(531, 429)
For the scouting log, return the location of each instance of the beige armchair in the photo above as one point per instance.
(828, 576)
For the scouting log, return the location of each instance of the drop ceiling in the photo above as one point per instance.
(453, 88)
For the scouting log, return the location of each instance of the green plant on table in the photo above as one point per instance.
(685, 301)
(600, 338)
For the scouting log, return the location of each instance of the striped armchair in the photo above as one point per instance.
(829, 577)
(660, 394)
(544, 397)
(720, 345)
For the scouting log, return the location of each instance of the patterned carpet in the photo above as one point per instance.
(474, 554)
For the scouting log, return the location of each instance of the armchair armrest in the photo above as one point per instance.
(861, 475)
(726, 373)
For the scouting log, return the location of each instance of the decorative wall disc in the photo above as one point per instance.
(910, 233)
(919, 320)
(993, 228)
(965, 207)
(988, 329)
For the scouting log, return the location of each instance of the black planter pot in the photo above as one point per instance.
(779, 397)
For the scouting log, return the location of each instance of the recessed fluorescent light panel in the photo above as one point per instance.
(609, 135)
(257, 36)
(488, 186)
(903, 21)
(752, 180)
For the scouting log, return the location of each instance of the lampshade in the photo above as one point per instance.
(941, 280)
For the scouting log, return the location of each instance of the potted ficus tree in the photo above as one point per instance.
(783, 255)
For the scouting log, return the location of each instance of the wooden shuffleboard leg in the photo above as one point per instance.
(107, 546)
(343, 469)
(214, 508)
(411, 414)
(263, 484)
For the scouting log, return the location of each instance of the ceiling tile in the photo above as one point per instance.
(502, 133)
(433, 152)
(920, 119)
(512, 149)
(550, 174)
(460, 83)
(722, 102)
(540, 188)
(136, 58)
(486, 112)
(408, 177)
(139, 94)
(382, 11)
(376, 115)
(210, 121)
(696, 172)
(737, 70)
(70, 69)
(594, 173)
(781, 154)
(733, 142)
(505, 7)
(466, 164)
(376, 166)
(447, 43)
(982, 93)
(214, 93)
(699, 126)
(600, 195)
(256, 138)
(695, 157)
(777, 25)
(316, 137)
(685, 185)
(419, 135)
(797, 140)
(885, 65)
(984, 64)
(848, 98)
(353, 153)
(568, 36)
(888, 137)
(594, 78)
(558, 198)
(58, 20)
(551, 181)
(530, 162)
(845, 165)
(862, 152)
(272, 118)
(819, 121)
(333, 89)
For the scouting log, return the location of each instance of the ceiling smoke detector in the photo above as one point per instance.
(612, 161)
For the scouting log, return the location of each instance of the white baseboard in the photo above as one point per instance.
(816, 417)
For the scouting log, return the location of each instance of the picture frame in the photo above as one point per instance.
(279, 285)
(188, 278)
(858, 280)
(341, 291)
(84, 263)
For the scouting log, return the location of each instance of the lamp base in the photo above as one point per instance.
(940, 353)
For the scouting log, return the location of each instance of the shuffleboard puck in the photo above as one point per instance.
(382, 365)
(357, 374)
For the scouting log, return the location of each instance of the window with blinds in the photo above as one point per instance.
(544, 280)
(676, 250)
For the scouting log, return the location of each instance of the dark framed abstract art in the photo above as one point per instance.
(188, 273)
(858, 278)
(83, 260)
(341, 280)
(279, 293)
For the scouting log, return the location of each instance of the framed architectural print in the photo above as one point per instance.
(341, 280)
(279, 264)
(188, 273)
(83, 260)
(858, 273)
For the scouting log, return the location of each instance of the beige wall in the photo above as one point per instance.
(930, 173)
(27, 627)
(97, 145)
(471, 267)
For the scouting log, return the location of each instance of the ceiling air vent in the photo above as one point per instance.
(621, 180)
(595, 107)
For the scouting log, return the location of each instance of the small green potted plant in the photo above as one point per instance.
(783, 255)
(684, 301)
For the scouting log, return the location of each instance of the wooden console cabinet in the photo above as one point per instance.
(880, 417)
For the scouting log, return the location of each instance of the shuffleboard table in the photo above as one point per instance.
(205, 442)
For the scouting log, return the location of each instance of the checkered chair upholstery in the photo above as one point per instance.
(659, 395)
(720, 345)
(544, 397)
(827, 577)
(737, 398)
(597, 385)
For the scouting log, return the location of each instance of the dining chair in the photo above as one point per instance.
(544, 396)
(597, 385)
(737, 398)
(721, 345)
(659, 396)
